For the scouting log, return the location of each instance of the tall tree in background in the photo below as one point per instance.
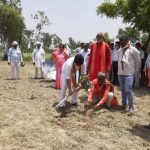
(14, 3)
(49, 39)
(73, 44)
(135, 12)
(106, 37)
(11, 24)
(42, 20)
(132, 33)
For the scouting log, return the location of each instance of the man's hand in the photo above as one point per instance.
(87, 104)
(33, 63)
(97, 107)
(8, 63)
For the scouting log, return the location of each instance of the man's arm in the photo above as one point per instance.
(90, 96)
(137, 59)
(21, 59)
(9, 53)
(89, 61)
(33, 56)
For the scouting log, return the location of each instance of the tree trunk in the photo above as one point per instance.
(147, 42)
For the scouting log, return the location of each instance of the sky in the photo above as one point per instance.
(71, 18)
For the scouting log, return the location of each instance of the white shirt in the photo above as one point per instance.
(67, 67)
(85, 55)
(14, 55)
(114, 55)
(131, 61)
(38, 57)
(141, 54)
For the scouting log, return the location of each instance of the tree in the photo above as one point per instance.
(132, 33)
(73, 44)
(106, 37)
(14, 3)
(42, 20)
(135, 12)
(11, 24)
(56, 39)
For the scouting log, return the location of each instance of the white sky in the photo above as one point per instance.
(71, 18)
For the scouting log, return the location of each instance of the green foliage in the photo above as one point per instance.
(144, 38)
(28, 56)
(42, 20)
(13, 3)
(73, 44)
(11, 24)
(132, 33)
(135, 12)
(106, 37)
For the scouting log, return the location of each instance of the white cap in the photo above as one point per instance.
(14, 43)
(37, 43)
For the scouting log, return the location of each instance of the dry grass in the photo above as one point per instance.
(28, 119)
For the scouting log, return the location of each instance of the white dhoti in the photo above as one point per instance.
(37, 72)
(63, 92)
(13, 66)
(110, 98)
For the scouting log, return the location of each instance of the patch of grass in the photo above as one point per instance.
(28, 56)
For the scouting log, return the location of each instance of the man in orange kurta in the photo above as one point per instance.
(102, 91)
(100, 57)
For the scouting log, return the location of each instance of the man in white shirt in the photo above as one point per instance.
(15, 60)
(85, 52)
(72, 69)
(114, 54)
(128, 63)
(38, 57)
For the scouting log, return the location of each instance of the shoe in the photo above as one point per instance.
(131, 112)
(12, 78)
(60, 108)
(124, 108)
(35, 78)
(75, 104)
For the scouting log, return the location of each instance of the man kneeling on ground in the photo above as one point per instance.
(100, 93)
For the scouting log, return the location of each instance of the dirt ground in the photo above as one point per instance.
(29, 120)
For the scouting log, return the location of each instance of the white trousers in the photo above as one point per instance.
(63, 92)
(14, 66)
(37, 72)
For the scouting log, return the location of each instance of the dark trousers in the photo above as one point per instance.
(115, 72)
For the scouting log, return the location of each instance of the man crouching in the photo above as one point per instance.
(100, 93)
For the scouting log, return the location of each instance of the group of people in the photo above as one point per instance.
(99, 61)
(139, 76)
(15, 60)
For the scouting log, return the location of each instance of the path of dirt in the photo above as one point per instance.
(28, 119)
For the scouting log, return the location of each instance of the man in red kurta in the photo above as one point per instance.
(100, 57)
(102, 91)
